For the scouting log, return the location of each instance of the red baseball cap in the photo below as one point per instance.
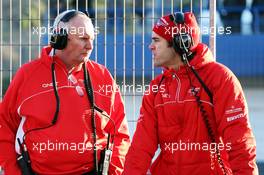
(167, 28)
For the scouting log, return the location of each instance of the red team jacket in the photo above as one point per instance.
(171, 120)
(65, 148)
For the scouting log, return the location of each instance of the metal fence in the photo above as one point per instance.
(124, 34)
(126, 25)
(122, 43)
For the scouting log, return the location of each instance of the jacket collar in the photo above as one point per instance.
(47, 58)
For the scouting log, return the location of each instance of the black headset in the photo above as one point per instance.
(59, 36)
(182, 41)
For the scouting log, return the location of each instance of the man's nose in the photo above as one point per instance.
(152, 47)
(89, 44)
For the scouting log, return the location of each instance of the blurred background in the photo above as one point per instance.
(124, 33)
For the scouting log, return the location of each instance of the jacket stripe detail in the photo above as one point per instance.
(20, 134)
(177, 96)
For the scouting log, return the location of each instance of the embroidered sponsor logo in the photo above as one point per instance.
(45, 85)
(162, 22)
(165, 95)
(191, 91)
(229, 119)
(233, 110)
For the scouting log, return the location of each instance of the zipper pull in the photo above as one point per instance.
(79, 90)
(74, 81)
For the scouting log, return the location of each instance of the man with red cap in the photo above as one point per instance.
(195, 112)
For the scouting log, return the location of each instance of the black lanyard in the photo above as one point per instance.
(90, 95)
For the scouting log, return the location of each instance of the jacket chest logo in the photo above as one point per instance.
(45, 85)
(192, 91)
(165, 95)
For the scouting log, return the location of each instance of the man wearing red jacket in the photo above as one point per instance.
(195, 112)
(61, 108)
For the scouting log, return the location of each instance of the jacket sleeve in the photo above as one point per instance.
(145, 141)
(9, 121)
(121, 140)
(233, 125)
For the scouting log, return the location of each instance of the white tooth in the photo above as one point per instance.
(79, 90)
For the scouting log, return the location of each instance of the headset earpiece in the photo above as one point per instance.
(59, 37)
(178, 17)
(182, 41)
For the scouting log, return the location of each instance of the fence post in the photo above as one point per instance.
(212, 34)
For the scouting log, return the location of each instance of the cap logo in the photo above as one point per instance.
(162, 22)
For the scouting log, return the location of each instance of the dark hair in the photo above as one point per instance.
(170, 44)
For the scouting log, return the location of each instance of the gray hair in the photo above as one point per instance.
(58, 19)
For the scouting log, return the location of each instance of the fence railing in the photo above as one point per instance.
(125, 29)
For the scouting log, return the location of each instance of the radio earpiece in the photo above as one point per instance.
(59, 36)
(182, 41)
(58, 39)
